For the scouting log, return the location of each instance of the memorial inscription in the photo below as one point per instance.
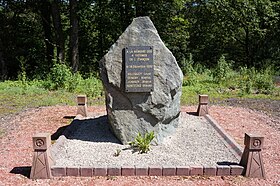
(139, 69)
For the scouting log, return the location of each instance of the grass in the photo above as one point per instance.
(16, 96)
(218, 93)
(244, 83)
(15, 99)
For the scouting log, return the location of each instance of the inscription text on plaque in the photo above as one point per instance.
(139, 69)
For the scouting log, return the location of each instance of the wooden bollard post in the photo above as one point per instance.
(203, 105)
(82, 105)
(252, 157)
(42, 160)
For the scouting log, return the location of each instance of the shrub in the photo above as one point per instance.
(263, 81)
(74, 81)
(59, 77)
(245, 81)
(223, 70)
(187, 65)
(189, 72)
(257, 81)
(90, 86)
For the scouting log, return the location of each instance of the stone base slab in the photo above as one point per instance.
(219, 170)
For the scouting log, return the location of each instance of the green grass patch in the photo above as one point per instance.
(16, 96)
(244, 83)
(222, 82)
(61, 87)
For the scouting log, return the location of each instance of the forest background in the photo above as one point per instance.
(35, 35)
(225, 48)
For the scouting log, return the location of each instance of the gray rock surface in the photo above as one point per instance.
(130, 113)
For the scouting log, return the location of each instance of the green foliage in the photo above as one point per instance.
(90, 86)
(60, 76)
(264, 81)
(22, 74)
(253, 81)
(245, 31)
(189, 71)
(142, 143)
(187, 65)
(222, 71)
(247, 82)
(15, 96)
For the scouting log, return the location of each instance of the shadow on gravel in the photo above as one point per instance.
(192, 113)
(69, 117)
(92, 130)
(227, 163)
(58, 132)
(25, 171)
(61, 130)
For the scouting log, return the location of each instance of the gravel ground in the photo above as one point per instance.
(194, 143)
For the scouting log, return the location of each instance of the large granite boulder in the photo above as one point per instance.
(133, 112)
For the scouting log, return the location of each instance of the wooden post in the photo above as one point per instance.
(203, 105)
(252, 157)
(82, 105)
(42, 160)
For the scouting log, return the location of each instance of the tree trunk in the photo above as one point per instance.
(139, 7)
(60, 42)
(100, 27)
(45, 10)
(74, 39)
(3, 66)
(247, 45)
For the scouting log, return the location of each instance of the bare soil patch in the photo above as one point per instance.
(16, 147)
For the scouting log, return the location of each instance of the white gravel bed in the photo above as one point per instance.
(195, 142)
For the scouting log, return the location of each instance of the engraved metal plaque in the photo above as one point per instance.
(139, 69)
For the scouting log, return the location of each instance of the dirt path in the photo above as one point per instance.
(269, 107)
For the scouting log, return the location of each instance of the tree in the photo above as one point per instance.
(237, 29)
(3, 73)
(74, 35)
(45, 13)
(59, 35)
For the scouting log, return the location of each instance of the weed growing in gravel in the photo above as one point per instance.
(142, 143)
(118, 152)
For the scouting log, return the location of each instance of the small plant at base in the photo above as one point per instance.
(118, 152)
(142, 143)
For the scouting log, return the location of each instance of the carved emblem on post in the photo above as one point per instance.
(39, 142)
(42, 160)
(252, 157)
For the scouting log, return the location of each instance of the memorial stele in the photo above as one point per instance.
(142, 83)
